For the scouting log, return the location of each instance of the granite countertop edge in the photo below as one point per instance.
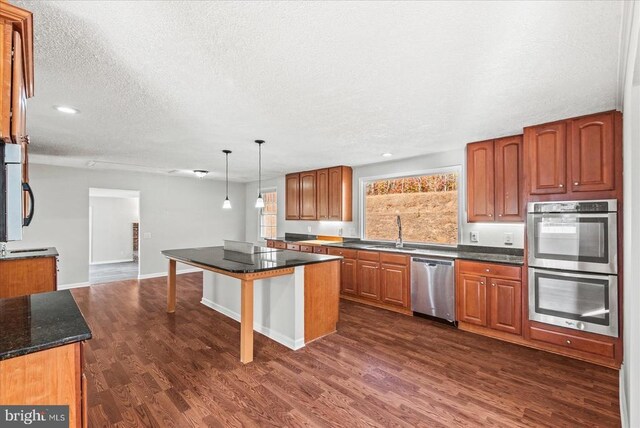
(43, 347)
(30, 254)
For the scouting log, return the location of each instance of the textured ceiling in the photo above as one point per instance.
(168, 85)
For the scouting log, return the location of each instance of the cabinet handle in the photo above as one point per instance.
(499, 215)
(490, 215)
(560, 185)
(486, 270)
(575, 183)
(481, 282)
(493, 285)
(568, 342)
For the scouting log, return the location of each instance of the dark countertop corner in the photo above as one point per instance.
(38, 322)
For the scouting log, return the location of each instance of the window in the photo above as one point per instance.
(269, 215)
(426, 203)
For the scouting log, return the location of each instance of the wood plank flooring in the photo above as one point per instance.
(149, 368)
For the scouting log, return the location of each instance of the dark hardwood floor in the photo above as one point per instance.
(148, 368)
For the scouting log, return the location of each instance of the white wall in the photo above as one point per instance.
(630, 373)
(178, 212)
(112, 228)
(490, 234)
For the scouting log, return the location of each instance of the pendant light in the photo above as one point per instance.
(227, 203)
(259, 201)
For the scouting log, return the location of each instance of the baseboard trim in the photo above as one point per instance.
(624, 410)
(161, 274)
(108, 262)
(76, 285)
(271, 334)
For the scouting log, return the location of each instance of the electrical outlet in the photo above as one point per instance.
(508, 238)
(146, 235)
(339, 231)
(475, 236)
(308, 229)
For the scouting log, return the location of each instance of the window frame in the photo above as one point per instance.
(260, 214)
(362, 182)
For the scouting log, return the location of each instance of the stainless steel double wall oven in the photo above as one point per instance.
(573, 264)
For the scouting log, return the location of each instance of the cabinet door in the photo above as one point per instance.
(292, 197)
(335, 193)
(308, 195)
(506, 306)
(322, 194)
(480, 181)
(368, 278)
(6, 36)
(348, 284)
(592, 153)
(508, 177)
(472, 299)
(547, 151)
(18, 93)
(395, 284)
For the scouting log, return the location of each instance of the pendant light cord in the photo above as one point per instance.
(259, 169)
(227, 174)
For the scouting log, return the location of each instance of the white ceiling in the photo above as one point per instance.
(168, 85)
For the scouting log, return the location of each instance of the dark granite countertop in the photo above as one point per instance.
(466, 252)
(29, 253)
(231, 261)
(38, 322)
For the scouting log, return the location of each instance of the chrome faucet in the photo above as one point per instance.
(399, 240)
(3, 249)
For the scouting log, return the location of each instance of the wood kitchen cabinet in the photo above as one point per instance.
(375, 278)
(489, 295)
(20, 277)
(323, 194)
(394, 279)
(292, 197)
(578, 158)
(308, 195)
(494, 180)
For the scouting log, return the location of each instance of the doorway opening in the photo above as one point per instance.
(114, 224)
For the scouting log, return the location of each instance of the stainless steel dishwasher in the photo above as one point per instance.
(433, 288)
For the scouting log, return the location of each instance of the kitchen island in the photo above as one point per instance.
(296, 294)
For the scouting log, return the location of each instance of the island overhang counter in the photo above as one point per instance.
(290, 297)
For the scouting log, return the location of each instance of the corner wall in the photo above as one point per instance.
(177, 212)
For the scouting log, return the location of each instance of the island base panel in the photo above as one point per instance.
(171, 287)
(321, 299)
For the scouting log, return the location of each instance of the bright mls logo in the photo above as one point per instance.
(34, 416)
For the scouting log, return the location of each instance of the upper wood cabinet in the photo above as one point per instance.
(577, 158)
(592, 153)
(323, 194)
(494, 180)
(292, 197)
(308, 195)
(322, 189)
(16, 70)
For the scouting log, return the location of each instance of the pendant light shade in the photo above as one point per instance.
(259, 201)
(227, 203)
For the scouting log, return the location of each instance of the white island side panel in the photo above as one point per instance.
(278, 304)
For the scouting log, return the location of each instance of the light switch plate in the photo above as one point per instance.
(146, 235)
(475, 236)
(508, 238)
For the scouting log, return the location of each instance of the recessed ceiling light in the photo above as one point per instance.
(67, 110)
(386, 155)
(200, 173)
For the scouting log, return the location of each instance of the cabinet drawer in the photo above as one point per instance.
(572, 342)
(280, 244)
(344, 252)
(373, 256)
(293, 247)
(490, 269)
(306, 248)
(398, 259)
(270, 243)
(320, 250)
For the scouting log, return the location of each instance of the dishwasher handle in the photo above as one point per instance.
(432, 262)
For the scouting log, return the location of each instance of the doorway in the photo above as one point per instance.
(114, 223)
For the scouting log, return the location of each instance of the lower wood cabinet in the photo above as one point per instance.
(376, 278)
(490, 295)
(20, 277)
